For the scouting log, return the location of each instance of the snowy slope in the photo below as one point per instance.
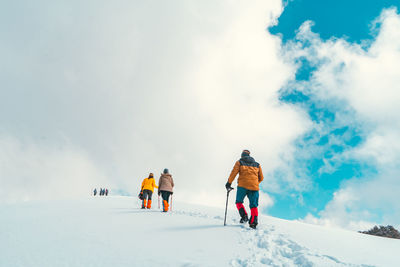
(113, 231)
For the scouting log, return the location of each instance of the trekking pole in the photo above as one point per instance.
(171, 203)
(226, 207)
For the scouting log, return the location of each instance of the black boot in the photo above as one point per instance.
(253, 222)
(244, 218)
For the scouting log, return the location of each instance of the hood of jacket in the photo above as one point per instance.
(247, 159)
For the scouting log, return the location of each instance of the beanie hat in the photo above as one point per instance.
(165, 170)
(245, 153)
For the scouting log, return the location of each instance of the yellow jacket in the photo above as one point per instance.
(149, 184)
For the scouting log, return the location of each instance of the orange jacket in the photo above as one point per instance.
(149, 184)
(250, 173)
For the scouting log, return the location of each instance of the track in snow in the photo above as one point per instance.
(266, 247)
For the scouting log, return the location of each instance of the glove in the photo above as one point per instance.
(228, 186)
(159, 193)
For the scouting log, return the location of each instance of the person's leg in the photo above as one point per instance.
(240, 194)
(253, 198)
(144, 203)
(150, 193)
(165, 197)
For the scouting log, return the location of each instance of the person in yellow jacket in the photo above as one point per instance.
(147, 189)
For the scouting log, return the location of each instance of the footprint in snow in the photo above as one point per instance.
(189, 264)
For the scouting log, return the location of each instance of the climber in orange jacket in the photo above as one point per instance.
(147, 189)
(250, 176)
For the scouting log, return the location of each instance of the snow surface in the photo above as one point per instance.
(113, 231)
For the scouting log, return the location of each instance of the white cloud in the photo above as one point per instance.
(265, 201)
(136, 87)
(366, 83)
(30, 171)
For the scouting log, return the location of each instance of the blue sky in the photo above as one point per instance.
(340, 18)
(352, 21)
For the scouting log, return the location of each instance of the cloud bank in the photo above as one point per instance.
(101, 93)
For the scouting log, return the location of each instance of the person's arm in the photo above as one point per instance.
(234, 172)
(172, 182)
(141, 189)
(154, 184)
(159, 185)
(260, 175)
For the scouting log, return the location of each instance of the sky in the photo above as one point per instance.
(100, 94)
(347, 81)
